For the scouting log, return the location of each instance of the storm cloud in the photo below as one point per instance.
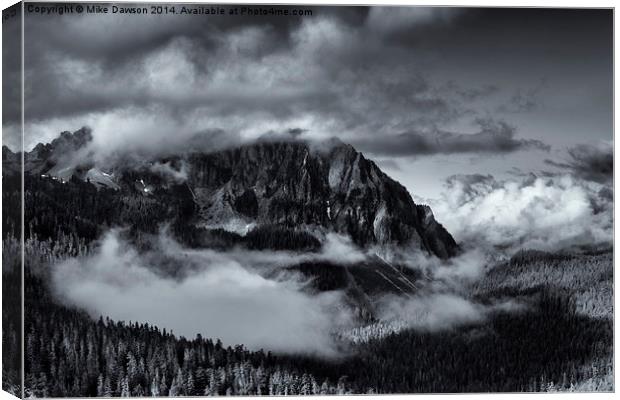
(590, 162)
(492, 137)
(355, 73)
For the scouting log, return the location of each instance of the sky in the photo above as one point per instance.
(425, 92)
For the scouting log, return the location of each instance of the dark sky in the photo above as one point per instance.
(433, 90)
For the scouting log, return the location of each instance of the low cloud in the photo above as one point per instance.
(444, 301)
(339, 248)
(546, 213)
(166, 169)
(215, 295)
(440, 311)
(156, 132)
(491, 137)
(246, 297)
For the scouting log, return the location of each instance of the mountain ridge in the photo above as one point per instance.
(288, 183)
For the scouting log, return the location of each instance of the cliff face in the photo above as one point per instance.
(296, 184)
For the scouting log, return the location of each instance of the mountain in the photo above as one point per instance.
(54, 158)
(61, 159)
(267, 186)
(292, 183)
(268, 195)
(10, 162)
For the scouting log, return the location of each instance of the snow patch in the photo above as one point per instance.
(100, 178)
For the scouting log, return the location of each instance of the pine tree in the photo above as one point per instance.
(155, 384)
(107, 387)
(176, 385)
(100, 386)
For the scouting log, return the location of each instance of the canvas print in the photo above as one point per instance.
(306, 200)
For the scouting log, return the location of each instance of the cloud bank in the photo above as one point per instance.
(246, 297)
(356, 73)
(546, 213)
(493, 137)
(215, 296)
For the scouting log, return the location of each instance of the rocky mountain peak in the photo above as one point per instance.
(292, 184)
(297, 184)
(69, 142)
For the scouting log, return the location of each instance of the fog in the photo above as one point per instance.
(246, 297)
(439, 311)
(221, 299)
(444, 302)
(167, 170)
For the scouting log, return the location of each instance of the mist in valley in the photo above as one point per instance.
(215, 294)
(250, 297)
